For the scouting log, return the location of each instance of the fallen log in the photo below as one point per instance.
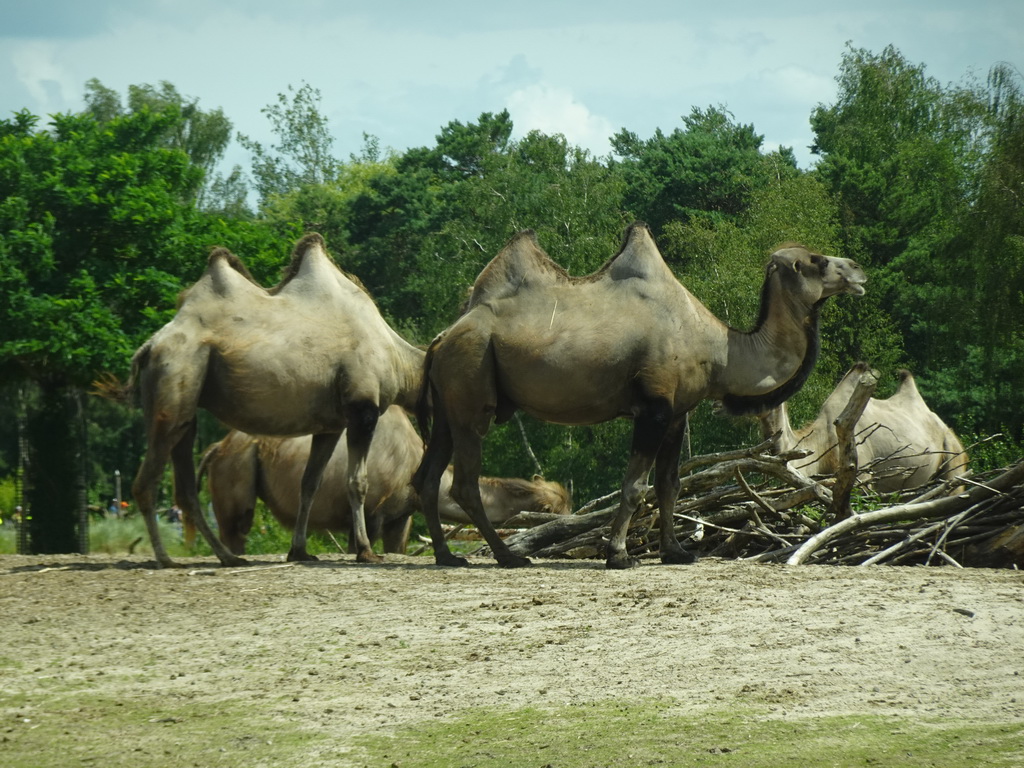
(532, 539)
(947, 506)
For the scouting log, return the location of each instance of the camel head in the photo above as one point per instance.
(814, 277)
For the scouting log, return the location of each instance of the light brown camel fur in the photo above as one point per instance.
(242, 467)
(310, 356)
(901, 439)
(627, 341)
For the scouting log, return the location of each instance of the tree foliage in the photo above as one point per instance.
(708, 169)
(919, 170)
(302, 155)
(203, 135)
(98, 228)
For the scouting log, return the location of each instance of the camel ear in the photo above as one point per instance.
(538, 478)
(786, 259)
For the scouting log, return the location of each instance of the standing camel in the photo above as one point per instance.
(627, 341)
(904, 442)
(242, 467)
(310, 356)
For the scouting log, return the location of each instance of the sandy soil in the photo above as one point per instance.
(356, 649)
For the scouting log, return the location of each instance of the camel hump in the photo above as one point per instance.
(225, 276)
(521, 263)
(907, 387)
(221, 255)
(638, 257)
(309, 246)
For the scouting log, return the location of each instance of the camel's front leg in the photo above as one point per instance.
(633, 487)
(650, 426)
(362, 422)
(319, 454)
(666, 486)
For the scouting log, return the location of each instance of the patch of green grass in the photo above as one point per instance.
(155, 729)
(8, 541)
(656, 734)
(151, 731)
(121, 536)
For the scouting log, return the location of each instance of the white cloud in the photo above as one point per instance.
(36, 68)
(552, 110)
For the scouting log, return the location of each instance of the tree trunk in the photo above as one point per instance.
(55, 487)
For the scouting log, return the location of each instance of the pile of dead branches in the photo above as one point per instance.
(750, 505)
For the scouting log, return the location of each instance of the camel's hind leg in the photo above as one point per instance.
(466, 491)
(395, 535)
(186, 496)
(144, 491)
(233, 493)
(427, 482)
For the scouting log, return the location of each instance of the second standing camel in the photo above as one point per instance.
(627, 341)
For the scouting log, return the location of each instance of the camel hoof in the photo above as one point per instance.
(369, 557)
(301, 556)
(621, 562)
(678, 557)
(515, 561)
(450, 560)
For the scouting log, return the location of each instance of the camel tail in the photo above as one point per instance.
(957, 460)
(424, 415)
(434, 428)
(110, 387)
(204, 463)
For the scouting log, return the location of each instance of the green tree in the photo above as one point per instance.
(707, 169)
(980, 271)
(327, 207)
(395, 215)
(303, 154)
(203, 135)
(912, 164)
(98, 226)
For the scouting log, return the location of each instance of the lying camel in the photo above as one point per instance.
(310, 356)
(903, 441)
(242, 468)
(627, 341)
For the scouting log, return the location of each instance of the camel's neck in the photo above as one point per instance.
(776, 422)
(813, 438)
(766, 366)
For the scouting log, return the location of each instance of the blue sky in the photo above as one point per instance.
(400, 70)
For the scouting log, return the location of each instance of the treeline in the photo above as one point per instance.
(106, 215)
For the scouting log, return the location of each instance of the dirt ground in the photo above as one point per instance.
(195, 665)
